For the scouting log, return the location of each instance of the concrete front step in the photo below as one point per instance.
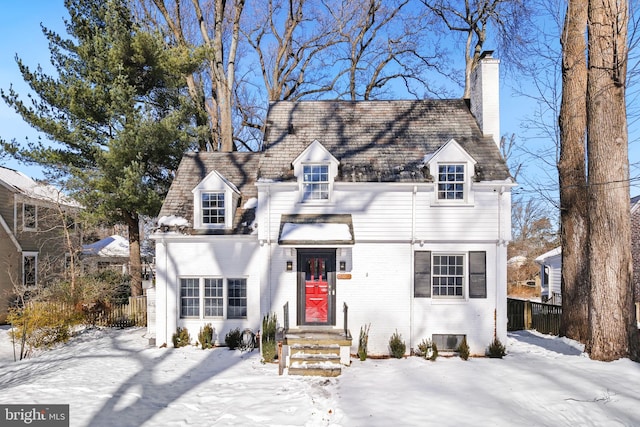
(315, 369)
(315, 351)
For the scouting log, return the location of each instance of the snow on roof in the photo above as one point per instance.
(553, 252)
(172, 221)
(315, 232)
(251, 203)
(21, 183)
(112, 246)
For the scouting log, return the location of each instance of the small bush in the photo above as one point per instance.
(397, 346)
(428, 349)
(463, 349)
(269, 351)
(181, 338)
(205, 336)
(233, 339)
(363, 342)
(268, 337)
(496, 350)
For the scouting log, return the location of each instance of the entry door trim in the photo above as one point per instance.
(303, 256)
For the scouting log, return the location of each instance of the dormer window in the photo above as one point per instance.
(213, 208)
(452, 168)
(315, 185)
(451, 181)
(315, 168)
(214, 199)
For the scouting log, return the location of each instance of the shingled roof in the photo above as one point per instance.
(238, 168)
(374, 141)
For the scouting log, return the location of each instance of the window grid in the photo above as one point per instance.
(29, 270)
(213, 298)
(213, 208)
(315, 182)
(189, 297)
(237, 298)
(448, 275)
(451, 182)
(29, 216)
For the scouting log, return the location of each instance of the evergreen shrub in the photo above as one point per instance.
(268, 337)
(205, 336)
(233, 338)
(397, 346)
(496, 349)
(463, 349)
(181, 338)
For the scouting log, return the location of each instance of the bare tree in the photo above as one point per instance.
(210, 33)
(471, 18)
(613, 331)
(572, 175)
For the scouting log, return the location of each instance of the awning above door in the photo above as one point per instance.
(307, 229)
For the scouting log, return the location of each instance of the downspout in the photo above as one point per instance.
(269, 247)
(498, 244)
(166, 291)
(411, 268)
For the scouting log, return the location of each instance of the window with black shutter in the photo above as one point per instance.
(422, 274)
(478, 274)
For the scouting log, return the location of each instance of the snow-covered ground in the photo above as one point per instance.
(113, 378)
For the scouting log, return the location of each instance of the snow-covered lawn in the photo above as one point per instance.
(113, 378)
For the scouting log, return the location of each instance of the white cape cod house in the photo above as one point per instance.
(395, 214)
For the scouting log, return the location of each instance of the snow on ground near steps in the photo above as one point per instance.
(112, 377)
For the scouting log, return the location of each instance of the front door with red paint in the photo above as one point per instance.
(316, 291)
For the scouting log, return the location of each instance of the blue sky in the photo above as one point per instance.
(20, 30)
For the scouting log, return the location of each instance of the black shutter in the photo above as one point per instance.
(422, 274)
(477, 274)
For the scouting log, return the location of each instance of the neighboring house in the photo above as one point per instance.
(111, 253)
(32, 218)
(551, 276)
(389, 213)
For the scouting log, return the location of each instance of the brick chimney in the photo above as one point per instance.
(485, 95)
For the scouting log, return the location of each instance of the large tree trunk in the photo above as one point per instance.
(613, 333)
(572, 175)
(135, 265)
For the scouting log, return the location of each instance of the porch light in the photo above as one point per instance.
(289, 265)
(343, 265)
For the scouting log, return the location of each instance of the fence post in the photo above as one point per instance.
(528, 318)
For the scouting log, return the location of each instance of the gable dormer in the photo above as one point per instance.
(214, 201)
(315, 169)
(452, 168)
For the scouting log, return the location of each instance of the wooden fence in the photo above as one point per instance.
(545, 318)
(132, 314)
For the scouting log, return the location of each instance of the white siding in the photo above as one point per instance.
(204, 256)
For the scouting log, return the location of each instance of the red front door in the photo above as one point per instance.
(316, 289)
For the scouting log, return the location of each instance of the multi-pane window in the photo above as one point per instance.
(213, 298)
(189, 297)
(212, 208)
(451, 182)
(315, 185)
(29, 270)
(205, 298)
(448, 275)
(237, 298)
(29, 216)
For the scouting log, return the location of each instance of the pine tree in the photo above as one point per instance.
(114, 115)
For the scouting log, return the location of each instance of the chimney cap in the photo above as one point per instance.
(486, 54)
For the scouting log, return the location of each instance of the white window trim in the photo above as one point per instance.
(24, 225)
(201, 297)
(214, 183)
(465, 183)
(452, 153)
(315, 155)
(329, 181)
(30, 254)
(465, 272)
